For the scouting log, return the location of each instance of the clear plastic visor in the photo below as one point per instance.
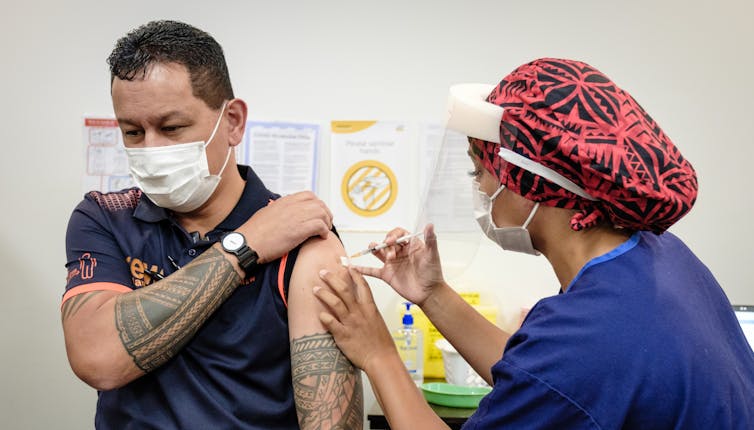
(447, 197)
(447, 194)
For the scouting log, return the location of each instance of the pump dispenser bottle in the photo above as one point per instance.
(410, 344)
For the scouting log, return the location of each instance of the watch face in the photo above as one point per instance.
(233, 241)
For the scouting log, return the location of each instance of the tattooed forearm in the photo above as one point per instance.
(327, 387)
(156, 321)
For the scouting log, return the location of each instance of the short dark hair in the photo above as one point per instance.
(174, 42)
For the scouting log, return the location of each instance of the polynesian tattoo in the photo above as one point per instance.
(154, 323)
(326, 385)
(75, 303)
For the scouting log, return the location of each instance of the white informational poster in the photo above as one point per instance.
(283, 154)
(106, 167)
(444, 181)
(370, 175)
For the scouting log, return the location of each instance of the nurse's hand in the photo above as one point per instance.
(412, 269)
(353, 318)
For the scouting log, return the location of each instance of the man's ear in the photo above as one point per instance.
(236, 111)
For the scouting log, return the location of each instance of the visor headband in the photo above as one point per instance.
(532, 166)
(471, 114)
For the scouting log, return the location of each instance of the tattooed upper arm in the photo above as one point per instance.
(73, 305)
(83, 303)
(326, 386)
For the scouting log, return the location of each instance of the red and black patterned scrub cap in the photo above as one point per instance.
(569, 117)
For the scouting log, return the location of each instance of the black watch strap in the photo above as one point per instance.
(247, 259)
(235, 243)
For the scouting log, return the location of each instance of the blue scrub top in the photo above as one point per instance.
(643, 338)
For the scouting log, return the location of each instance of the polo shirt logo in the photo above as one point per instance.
(87, 263)
(85, 269)
(141, 272)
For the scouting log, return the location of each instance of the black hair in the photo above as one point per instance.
(174, 42)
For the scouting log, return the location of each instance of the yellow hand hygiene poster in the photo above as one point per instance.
(369, 174)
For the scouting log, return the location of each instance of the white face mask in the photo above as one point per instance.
(509, 238)
(176, 177)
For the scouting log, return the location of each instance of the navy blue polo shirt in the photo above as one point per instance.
(236, 372)
(643, 338)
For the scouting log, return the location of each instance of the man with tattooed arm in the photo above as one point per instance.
(188, 301)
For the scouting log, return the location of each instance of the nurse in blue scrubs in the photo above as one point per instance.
(566, 165)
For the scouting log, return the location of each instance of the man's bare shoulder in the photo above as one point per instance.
(303, 308)
(323, 253)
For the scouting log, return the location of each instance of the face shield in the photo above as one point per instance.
(448, 198)
(447, 195)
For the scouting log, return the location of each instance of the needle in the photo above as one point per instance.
(402, 239)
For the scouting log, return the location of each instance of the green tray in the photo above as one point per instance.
(455, 396)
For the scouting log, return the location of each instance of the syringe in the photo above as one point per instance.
(402, 239)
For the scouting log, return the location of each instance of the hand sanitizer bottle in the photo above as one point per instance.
(410, 344)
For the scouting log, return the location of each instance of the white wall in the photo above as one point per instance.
(688, 63)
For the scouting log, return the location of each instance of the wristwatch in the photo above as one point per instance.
(235, 243)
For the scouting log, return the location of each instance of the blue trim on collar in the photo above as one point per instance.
(616, 252)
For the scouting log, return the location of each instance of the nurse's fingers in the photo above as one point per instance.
(395, 234)
(374, 272)
(341, 284)
(332, 324)
(328, 321)
(336, 306)
(390, 239)
(429, 235)
(363, 292)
